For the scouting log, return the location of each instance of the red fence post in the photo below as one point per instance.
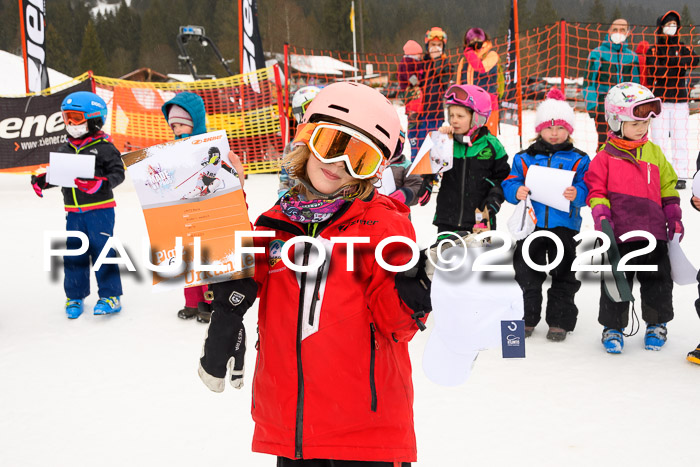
(562, 54)
(287, 114)
(517, 71)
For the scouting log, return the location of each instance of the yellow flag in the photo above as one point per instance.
(352, 17)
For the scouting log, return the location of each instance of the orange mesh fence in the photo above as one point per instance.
(246, 106)
(553, 55)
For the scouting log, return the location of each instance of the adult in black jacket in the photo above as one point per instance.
(668, 63)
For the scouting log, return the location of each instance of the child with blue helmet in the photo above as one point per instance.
(90, 204)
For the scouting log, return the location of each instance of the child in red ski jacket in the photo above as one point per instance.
(332, 383)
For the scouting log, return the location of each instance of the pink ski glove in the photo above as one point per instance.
(601, 212)
(89, 185)
(398, 195)
(473, 60)
(39, 183)
(674, 225)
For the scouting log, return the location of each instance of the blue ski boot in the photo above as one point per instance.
(74, 307)
(613, 340)
(107, 306)
(655, 337)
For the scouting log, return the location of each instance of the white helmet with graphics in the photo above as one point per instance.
(301, 100)
(628, 102)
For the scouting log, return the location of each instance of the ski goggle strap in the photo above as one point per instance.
(333, 143)
(457, 95)
(639, 111)
(73, 117)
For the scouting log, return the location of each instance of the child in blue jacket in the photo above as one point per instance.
(553, 147)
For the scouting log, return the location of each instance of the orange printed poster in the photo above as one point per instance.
(434, 155)
(188, 188)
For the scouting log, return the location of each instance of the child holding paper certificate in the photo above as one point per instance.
(632, 186)
(332, 383)
(405, 187)
(185, 113)
(90, 205)
(553, 147)
(480, 163)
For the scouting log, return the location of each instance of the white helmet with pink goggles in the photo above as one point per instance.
(629, 102)
(472, 97)
(359, 107)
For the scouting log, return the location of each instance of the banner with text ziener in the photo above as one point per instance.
(31, 128)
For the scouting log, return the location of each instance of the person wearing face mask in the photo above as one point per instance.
(609, 64)
(436, 77)
(668, 63)
(410, 80)
(481, 69)
(89, 205)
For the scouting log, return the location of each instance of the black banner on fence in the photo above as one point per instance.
(252, 48)
(32, 127)
(509, 103)
(32, 16)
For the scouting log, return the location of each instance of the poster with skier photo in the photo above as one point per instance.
(188, 188)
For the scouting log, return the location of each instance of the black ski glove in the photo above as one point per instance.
(414, 290)
(493, 201)
(425, 190)
(224, 345)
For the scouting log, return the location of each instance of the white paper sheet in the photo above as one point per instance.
(386, 185)
(682, 270)
(468, 307)
(547, 186)
(64, 168)
(441, 154)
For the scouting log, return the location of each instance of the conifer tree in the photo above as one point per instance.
(596, 14)
(92, 57)
(545, 13)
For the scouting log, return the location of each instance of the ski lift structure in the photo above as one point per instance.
(189, 34)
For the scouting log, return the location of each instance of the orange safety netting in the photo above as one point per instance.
(553, 55)
(246, 106)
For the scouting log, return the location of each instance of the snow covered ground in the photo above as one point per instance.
(123, 390)
(12, 76)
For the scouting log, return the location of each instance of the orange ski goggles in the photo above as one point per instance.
(73, 117)
(333, 143)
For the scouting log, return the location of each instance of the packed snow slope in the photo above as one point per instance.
(123, 390)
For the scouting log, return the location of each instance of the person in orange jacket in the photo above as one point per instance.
(481, 70)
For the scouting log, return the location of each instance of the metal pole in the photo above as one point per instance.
(240, 35)
(362, 34)
(562, 54)
(354, 39)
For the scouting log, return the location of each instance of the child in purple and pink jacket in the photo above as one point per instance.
(632, 186)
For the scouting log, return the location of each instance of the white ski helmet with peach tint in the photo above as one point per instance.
(359, 107)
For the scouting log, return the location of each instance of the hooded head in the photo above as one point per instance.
(193, 105)
(667, 26)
